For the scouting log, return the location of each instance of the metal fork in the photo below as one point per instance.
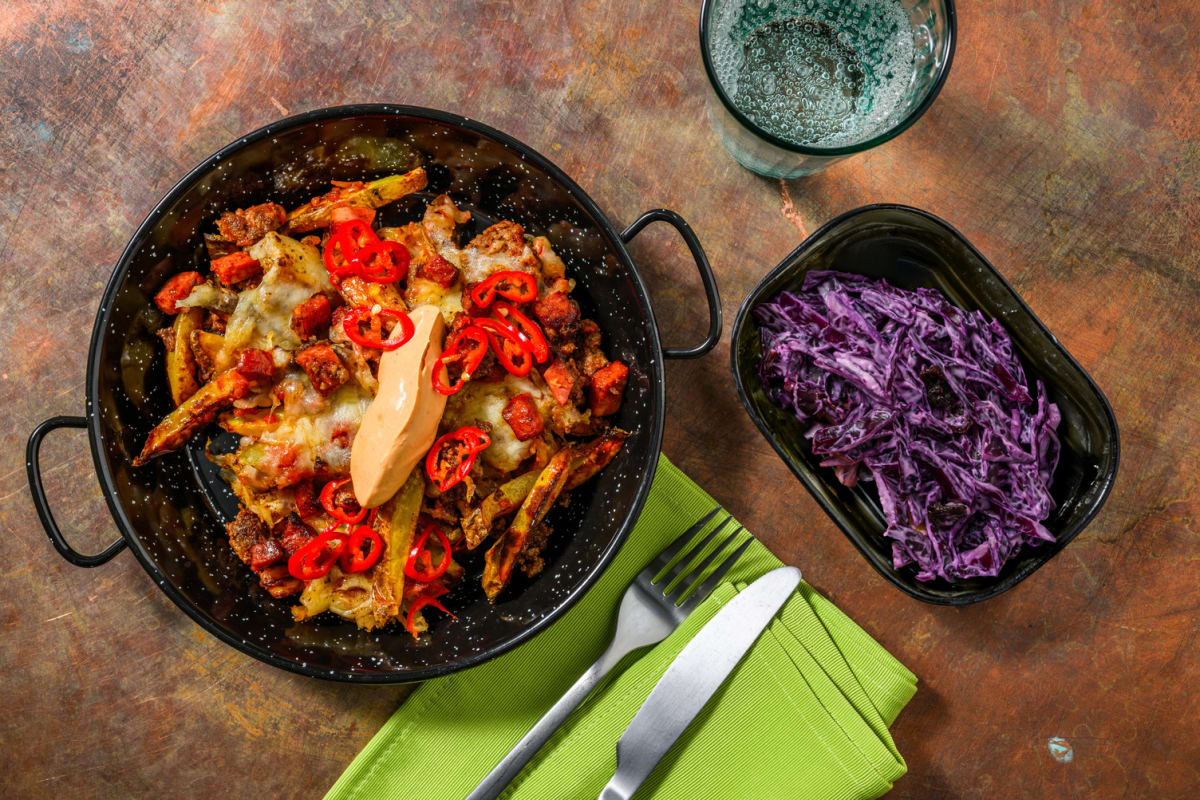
(649, 611)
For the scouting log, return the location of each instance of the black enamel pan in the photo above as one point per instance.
(171, 513)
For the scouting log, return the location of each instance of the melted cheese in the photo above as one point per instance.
(483, 401)
(421, 292)
(292, 273)
(500, 247)
(309, 428)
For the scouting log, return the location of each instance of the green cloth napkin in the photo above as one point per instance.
(805, 714)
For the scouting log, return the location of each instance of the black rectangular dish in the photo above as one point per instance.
(912, 249)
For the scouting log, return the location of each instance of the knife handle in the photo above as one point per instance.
(503, 773)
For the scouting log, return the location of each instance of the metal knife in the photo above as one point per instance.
(694, 676)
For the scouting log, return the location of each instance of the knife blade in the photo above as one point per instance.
(694, 677)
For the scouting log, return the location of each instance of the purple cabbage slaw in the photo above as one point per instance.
(928, 402)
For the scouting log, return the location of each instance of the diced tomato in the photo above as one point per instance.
(324, 369)
(312, 316)
(562, 378)
(523, 417)
(346, 213)
(608, 385)
(175, 289)
(235, 268)
(256, 364)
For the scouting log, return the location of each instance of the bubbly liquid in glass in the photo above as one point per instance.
(816, 72)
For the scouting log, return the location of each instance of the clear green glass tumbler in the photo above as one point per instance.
(796, 85)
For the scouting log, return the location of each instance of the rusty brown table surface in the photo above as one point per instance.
(1064, 145)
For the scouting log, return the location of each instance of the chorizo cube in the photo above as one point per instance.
(244, 227)
(235, 268)
(558, 313)
(311, 318)
(323, 367)
(608, 385)
(523, 417)
(175, 289)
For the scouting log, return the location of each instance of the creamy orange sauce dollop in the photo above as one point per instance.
(402, 421)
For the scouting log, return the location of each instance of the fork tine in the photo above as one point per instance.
(682, 565)
(664, 558)
(694, 574)
(705, 589)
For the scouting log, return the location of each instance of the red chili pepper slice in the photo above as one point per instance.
(341, 254)
(354, 558)
(331, 507)
(383, 262)
(513, 355)
(511, 350)
(501, 327)
(364, 314)
(452, 456)
(358, 233)
(315, 559)
(529, 330)
(418, 548)
(417, 605)
(468, 346)
(518, 286)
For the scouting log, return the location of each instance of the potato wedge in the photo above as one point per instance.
(208, 353)
(594, 456)
(506, 499)
(501, 556)
(373, 195)
(181, 363)
(396, 525)
(196, 412)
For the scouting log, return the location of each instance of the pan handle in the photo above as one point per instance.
(43, 506)
(706, 275)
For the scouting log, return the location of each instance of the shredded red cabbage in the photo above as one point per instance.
(927, 401)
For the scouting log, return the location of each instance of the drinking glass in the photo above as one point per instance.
(822, 79)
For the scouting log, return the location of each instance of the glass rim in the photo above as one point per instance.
(706, 7)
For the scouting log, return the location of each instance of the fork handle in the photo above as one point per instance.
(503, 773)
